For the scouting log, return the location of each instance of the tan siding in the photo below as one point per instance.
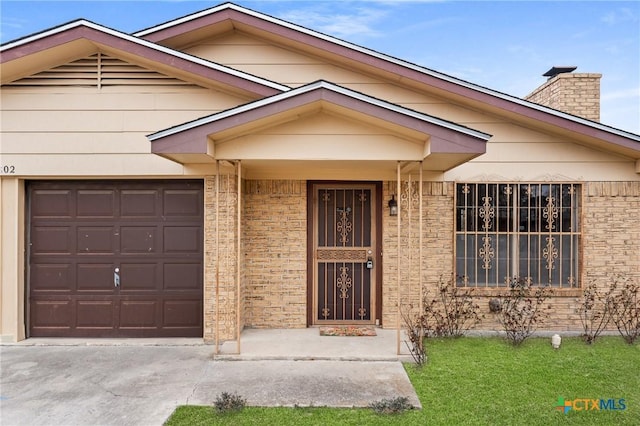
(152, 98)
(275, 63)
(239, 49)
(95, 121)
(12, 287)
(478, 170)
(73, 143)
(321, 147)
(86, 131)
(102, 165)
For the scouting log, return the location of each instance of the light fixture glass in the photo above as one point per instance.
(393, 206)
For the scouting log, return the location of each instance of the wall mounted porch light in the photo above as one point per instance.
(393, 206)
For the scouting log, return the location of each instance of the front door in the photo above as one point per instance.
(344, 247)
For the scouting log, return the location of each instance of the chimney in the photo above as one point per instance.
(576, 94)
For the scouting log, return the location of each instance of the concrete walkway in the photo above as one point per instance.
(141, 381)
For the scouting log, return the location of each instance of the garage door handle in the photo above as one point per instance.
(116, 277)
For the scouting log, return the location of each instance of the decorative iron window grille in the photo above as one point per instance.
(525, 230)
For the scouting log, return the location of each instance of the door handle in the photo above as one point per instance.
(116, 277)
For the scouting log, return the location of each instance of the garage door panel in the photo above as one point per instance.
(139, 314)
(51, 277)
(51, 204)
(52, 314)
(95, 277)
(80, 232)
(139, 277)
(182, 239)
(96, 240)
(182, 204)
(47, 240)
(95, 203)
(139, 239)
(95, 314)
(136, 203)
(182, 313)
(182, 276)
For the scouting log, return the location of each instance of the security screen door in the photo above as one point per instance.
(344, 244)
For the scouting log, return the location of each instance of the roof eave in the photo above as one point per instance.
(440, 136)
(510, 105)
(100, 35)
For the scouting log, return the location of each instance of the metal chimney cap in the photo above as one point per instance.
(558, 70)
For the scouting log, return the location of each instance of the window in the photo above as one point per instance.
(525, 230)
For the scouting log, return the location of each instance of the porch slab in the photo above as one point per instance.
(306, 344)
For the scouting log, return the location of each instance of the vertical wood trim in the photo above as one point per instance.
(217, 257)
(420, 241)
(310, 269)
(378, 251)
(398, 189)
(238, 252)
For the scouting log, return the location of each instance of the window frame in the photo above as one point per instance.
(497, 239)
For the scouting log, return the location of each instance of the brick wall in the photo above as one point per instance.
(437, 241)
(611, 246)
(220, 258)
(274, 235)
(577, 94)
(275, 250)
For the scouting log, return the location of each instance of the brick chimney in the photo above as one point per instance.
(577, 94)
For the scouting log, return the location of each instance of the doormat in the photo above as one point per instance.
(348, 330)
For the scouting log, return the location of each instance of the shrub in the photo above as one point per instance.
(391, 406)
(594, 309)
(226, 402)
(521, 309)
(451, 312)
(416, 335)
(625, 310)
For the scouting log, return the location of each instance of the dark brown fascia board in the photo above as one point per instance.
(144, 49)
(446, 137)
(404, 70)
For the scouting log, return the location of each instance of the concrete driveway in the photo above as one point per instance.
(142, 385)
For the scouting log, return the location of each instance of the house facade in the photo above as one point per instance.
(228, 170)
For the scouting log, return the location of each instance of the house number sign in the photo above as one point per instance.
(8, 170)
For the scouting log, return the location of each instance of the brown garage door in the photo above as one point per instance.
(115, 259)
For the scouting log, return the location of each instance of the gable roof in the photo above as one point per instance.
(451, 143)
(81, 38)
(228, 16)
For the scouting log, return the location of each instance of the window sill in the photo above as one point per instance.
(499, 291)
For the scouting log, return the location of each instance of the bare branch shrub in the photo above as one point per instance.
(625, 310)
(522, 308)
(594, 309)
(416, 335)
(451, 312)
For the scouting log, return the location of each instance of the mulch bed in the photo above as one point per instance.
(348, 330)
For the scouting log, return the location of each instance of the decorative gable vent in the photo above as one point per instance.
(99, 71)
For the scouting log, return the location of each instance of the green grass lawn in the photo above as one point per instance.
(484, 381)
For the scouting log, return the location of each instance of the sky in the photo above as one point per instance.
(503, 45)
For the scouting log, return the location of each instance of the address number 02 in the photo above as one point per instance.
(8, 170)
